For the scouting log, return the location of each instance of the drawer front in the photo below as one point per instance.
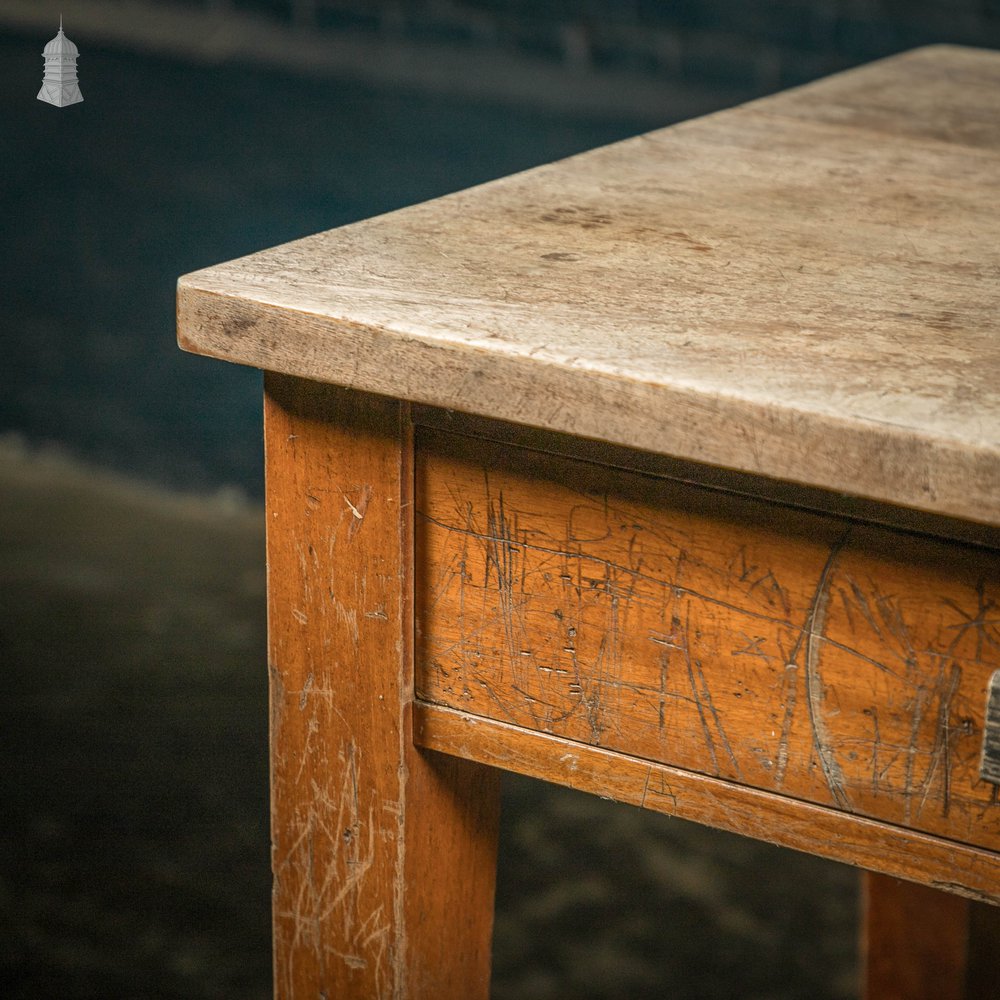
(835, 662)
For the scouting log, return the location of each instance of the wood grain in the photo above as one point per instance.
(803, 654)
(911, 101)
(383, 857)
(695, 473)
(725, 805)
(805, 288)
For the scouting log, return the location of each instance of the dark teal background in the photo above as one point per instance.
(165, 168)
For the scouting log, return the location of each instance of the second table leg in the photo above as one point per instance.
(919, 943)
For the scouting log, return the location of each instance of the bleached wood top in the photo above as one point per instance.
(806, 287)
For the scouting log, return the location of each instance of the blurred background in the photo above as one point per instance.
(133, 803)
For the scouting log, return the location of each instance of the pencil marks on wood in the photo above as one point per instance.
(794, 652)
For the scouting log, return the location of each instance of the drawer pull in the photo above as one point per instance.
(989, 767)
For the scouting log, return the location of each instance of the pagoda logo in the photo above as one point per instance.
(60, 86)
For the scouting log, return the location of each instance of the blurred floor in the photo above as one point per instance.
(134, 844)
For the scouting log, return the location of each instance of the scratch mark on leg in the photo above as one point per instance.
(358, 510)
(304, 696)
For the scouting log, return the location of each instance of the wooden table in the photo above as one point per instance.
(670, 472)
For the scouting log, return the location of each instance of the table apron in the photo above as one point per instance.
(823, 661)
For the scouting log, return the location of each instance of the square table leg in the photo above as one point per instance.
(920, 943)
(384, 857)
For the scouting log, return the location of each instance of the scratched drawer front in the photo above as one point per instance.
(840, 663)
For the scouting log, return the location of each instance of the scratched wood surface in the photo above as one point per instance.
(383, 857)
(798, 653)
(821, 830)
(806, 287)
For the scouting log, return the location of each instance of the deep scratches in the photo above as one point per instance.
(813, 635)
(664, 667)
(580, 556)
(864, 607)
(614, 659)
(591, 693)
(352, 831)
(703, 700)
(358, 510)
(876, 746)
(941, 753)
(752, 647)
(920, 700)
(706, 732)
(892, 616)
(979, 624)
(501, 554)
(791, 681)
(304, 694)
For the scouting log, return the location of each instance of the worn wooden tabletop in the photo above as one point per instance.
(806, 287)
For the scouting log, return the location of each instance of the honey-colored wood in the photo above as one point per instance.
(384, 857)
(808, 655)
(780, 492)
(725, 805)
(803, 288)
(786, 301)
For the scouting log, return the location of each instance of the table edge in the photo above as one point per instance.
(879, 461)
